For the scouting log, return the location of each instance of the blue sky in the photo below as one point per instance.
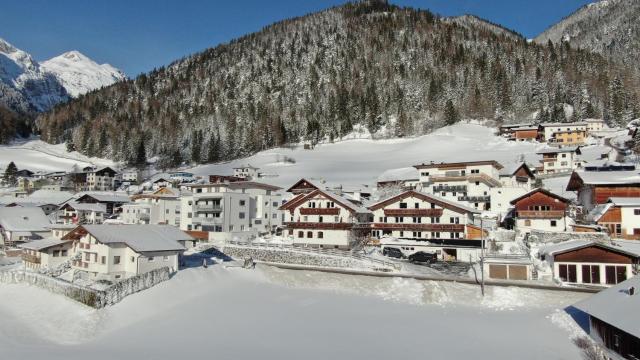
(138, 35)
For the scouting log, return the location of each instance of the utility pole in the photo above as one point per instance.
(482, 256)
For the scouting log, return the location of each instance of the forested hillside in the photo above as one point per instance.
(315, 77)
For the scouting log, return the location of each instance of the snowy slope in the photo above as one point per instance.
(37, 155)
(79, 74)
(472, 21)
(361, 161)
(219, 313)
(24, 84)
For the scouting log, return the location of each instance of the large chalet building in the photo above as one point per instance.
(620, 217)
(597, 187)
(469, 183)
(321, 218)
(541, 209)
(559, 159)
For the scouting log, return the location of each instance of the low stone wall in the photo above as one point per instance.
(537, 236)
(288, 256)
(85, 295)
(503, 235)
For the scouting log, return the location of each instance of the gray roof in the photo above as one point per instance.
(609, 177)
(141, 238)
(622, 201)
(24, 219)
(555, 150)
(616, 307)
(630, 247)
(108, 197)
(348, 203)
(98, 207)
(42, 244)
(598, 211)
(564, 124)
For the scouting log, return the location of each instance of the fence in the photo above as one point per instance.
(306, 255)
(85, 295)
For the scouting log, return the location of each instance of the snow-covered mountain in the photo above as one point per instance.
(475, 23)
(608, 27)
(24, 85)
(79, 74)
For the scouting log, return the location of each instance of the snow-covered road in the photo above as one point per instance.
(272, 313)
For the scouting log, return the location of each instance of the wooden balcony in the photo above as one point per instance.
(321, 226)
(548, 214)
(484, 178)
(319, 211)
(419, 227)
(30, 258)
(413, 212)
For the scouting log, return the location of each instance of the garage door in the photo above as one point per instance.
(498, 271)
(517, 272)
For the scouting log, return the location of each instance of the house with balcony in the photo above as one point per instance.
(543, 210)
(619, 216)
(22, 224)
(595, 187)
(468, 183)
(74, 213)
(114, 252)
(246, 171)
(560, 159)
(425, 222)
(111, 200)
(229, 210)
(564, 133)
(160, 207)
(324, 219)
(102, 179)
(48, 253)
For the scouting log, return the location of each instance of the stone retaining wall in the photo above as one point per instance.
(538, 236)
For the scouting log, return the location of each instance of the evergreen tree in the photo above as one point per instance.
(196, 146)
(10, 174)
(450, 114)
(141, 154)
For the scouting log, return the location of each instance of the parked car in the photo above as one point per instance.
(393, 252)
(423, 257)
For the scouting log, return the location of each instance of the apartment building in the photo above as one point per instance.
(160, 207)
(560, 160)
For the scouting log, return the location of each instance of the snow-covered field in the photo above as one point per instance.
(36, 155)
(361, 161)
(271, 313)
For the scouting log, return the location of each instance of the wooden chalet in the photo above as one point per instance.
(597, 187)
(541, 209)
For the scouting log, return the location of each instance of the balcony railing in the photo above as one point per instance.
(420, 227)
(413, 212)
(541, 214)
(467, 177)
(207, 220)
(319, 211)
(30, 258)
(474, 198)
(209, 207)
(322, 226)
(450, 188)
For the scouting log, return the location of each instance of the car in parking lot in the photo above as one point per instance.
(393, 252)
(423, 257)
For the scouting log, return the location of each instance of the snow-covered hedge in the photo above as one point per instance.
(85, 295)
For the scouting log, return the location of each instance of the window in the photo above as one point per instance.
(319, 218)
(385, 219)
(416, 205)
(615, 274)
(591, 274)
(103, 260)
(300, 234)
(241, 215)
(618, 229)
(165, 258)
(274, 216)
(242, 202)
(477, 183)
(401, 233)
(417, 220)
(403, 205)
(189, 215)
(567, 273)
(399, 219)
(320, 235)
(554, 223)
(116, 260)
(636, 211)
(56, 253)
(63, 253)
(527, 222)
(275, 203)
(151, 259)
(305, 218)
(133, 259)
(433, 206)
(310, 234)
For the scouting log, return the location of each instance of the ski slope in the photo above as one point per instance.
(267, 313)
(37, 155)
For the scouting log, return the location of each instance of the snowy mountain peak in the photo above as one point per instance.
(79, 74)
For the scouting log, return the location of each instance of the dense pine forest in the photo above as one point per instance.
(383, 67)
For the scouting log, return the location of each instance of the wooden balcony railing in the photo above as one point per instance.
(548, 214)
(419, 227)
(413, 212)
(319, 211)
(319, 226)
(31, 258)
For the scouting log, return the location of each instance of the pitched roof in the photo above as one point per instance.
(140, 238)
(556, 150)
(42, 244)
(107, 197)
(511, 169)
(616, 307)
(443, 165)
(97, 207)
(628, 247)
(429, 197)
(598, 211)
(539, 190)
(24, 219)
(602, 178)
(563, 124)
(346, 203)
(622, 201)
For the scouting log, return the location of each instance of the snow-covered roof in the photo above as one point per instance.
(563, 124)
(24, 219)
(429, 196)
(555, 150)
(609, 177)
(630, 247)
(510, 168)
(623, 201)
(399, 174)
(107, 197)
(346, 202)
(616, 307)
(42, 244)
(598, 211)
(97, 207)
(141, 238)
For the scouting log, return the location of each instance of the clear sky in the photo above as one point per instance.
(138, 35)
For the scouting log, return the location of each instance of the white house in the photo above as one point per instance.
(113, 252)
(592, 263)
(246, 171)
(161, 207)
(83, 213)
(46, 253)
(131, 176)
(469, 183)
(594, 125)
(620, 216)
(541, 209)
(423, 221)
(100, 179)
(560, 159)
(22, 224)
(549, 130)
(324, 219)
(228, 210)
